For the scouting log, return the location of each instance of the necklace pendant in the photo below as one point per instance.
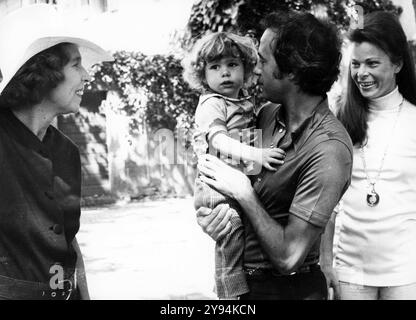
(373, 198)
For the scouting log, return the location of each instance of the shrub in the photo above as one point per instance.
(149, 87)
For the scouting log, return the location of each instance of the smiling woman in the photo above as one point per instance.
(372, 70)
(376, 246)
(43, 76)
(55, 88)
(66, 97)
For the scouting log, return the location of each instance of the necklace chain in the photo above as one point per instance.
(372, 182)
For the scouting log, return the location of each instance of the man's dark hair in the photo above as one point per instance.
(307, 47)
(36, 78)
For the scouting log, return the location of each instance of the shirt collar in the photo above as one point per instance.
(22, 133)
(388, 102)
(242, 97)
(307, 127)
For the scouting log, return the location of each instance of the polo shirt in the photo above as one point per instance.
(315, 174)
(40, 187)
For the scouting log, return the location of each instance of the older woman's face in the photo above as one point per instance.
(66, 97)
(372, 70)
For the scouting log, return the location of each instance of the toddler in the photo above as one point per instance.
(220, 66)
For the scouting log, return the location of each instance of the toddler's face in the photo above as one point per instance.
(225, 76)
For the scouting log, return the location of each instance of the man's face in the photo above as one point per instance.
(271, 82)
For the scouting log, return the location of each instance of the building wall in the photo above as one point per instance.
(87, 129)
(88, 6)
(142, 161)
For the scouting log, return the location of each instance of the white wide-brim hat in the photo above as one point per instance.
(29, 30)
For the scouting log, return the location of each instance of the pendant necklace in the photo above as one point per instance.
(373, 198)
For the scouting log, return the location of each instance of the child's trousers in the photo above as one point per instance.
(230, 279)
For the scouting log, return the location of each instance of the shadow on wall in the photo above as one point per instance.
(117, 163)
(147, 163)
(87, 130)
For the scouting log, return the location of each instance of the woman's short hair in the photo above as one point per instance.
(307, 47)
(215, 46)
(383, 30)
(36, 78)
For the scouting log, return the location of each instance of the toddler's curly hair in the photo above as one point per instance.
(215, 46)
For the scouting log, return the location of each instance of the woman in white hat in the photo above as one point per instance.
(40, 171)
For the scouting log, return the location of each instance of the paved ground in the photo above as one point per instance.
(146, 250)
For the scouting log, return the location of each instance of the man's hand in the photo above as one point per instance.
(216, 222)
(222, 177)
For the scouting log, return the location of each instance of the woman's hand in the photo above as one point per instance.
(216, 222)
(332, 283)
(224, 178)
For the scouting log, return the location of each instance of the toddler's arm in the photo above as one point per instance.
(240, 151)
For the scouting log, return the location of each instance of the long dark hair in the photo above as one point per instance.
(383, 30)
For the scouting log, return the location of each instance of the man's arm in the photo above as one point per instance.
(287, 246)
(322, 181)
(81, 276)
(319, 189)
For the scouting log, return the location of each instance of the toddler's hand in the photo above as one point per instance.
(271, 157)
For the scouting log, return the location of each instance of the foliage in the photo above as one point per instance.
(149, 86)
(152, 87)
(245, 15)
